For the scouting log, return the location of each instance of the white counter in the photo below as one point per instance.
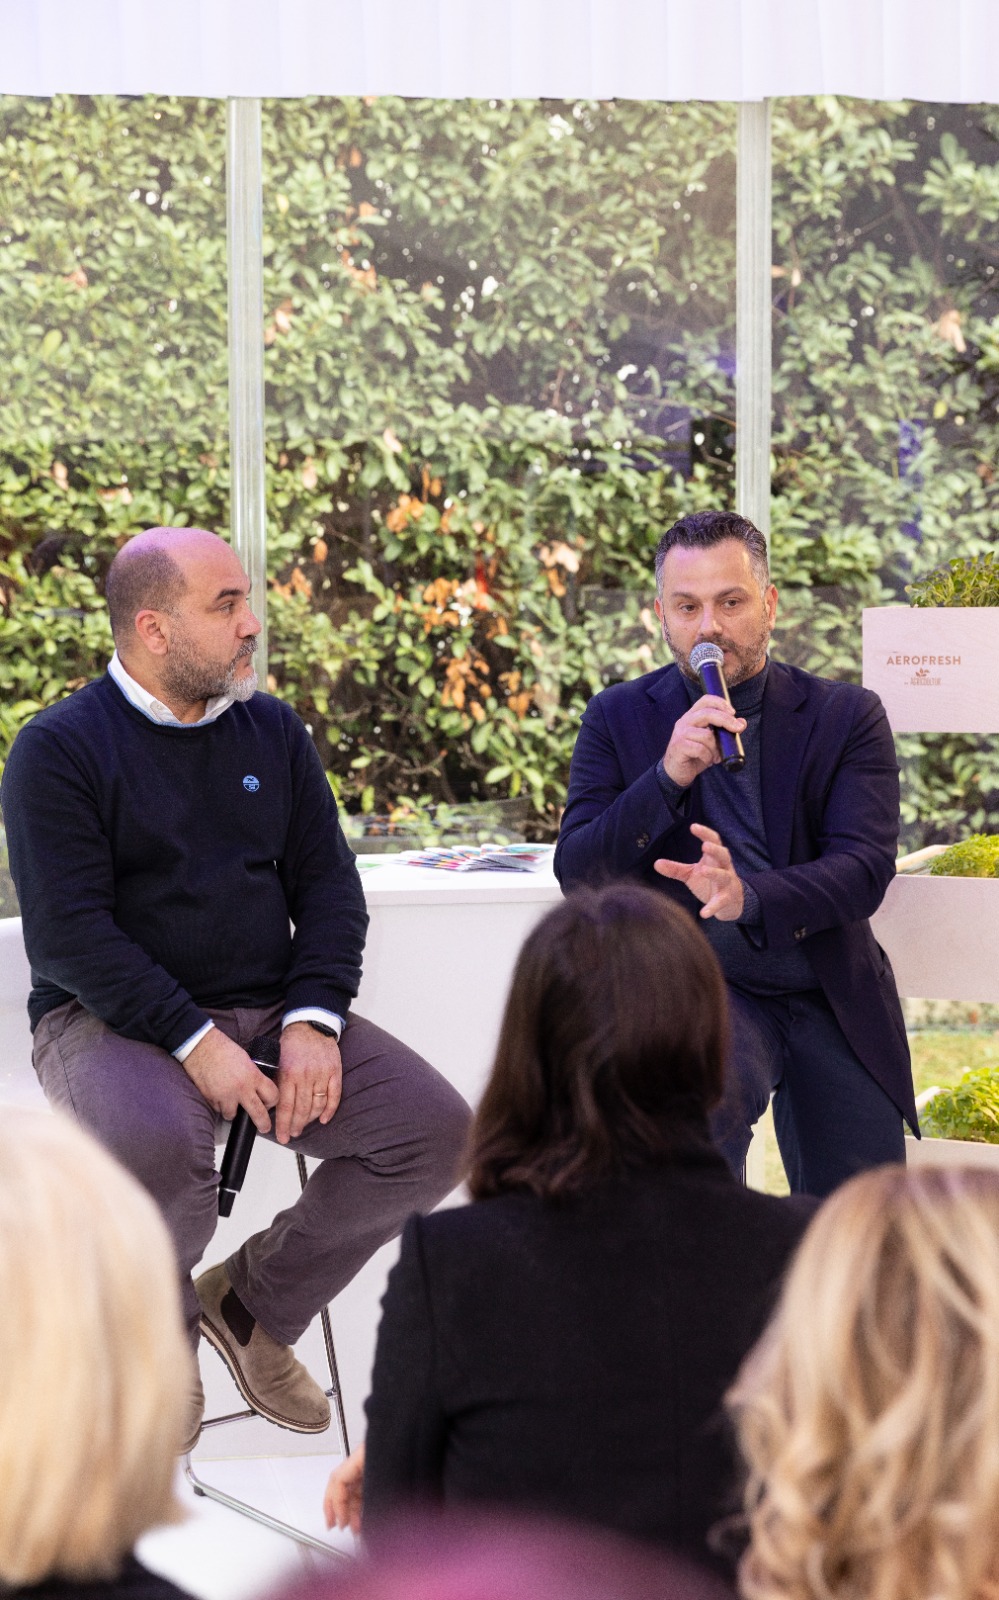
(440, 950)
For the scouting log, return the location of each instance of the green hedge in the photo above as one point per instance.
(488, 329)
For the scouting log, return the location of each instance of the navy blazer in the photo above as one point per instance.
(830, 809)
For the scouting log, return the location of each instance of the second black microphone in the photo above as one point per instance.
(265, 1053)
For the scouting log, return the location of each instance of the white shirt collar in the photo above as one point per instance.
(154, 709)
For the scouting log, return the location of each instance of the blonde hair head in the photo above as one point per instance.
(869, 1412)
(95, 1372)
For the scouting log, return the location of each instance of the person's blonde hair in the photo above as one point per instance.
(868, 1413)
(95, 1372)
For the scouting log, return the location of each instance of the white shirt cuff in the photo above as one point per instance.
(184, 1050)
(329, 1019)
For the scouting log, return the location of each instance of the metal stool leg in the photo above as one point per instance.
(207, 1492)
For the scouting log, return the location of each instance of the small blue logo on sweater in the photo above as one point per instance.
(251, 784)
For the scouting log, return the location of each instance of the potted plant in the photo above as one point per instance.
(960, 1125)
(934, 665)
(939, 922)
(933, 662)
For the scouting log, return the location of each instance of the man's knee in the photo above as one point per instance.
(437, 1142)
(448, 1130)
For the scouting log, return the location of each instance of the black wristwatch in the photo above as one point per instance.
(320, 1027)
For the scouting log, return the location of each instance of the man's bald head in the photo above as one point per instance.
(148, 574)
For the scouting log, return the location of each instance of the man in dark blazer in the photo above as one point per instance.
(784, 861)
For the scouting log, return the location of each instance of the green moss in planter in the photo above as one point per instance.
(968, 1110)
(965, 581)
(974, 857)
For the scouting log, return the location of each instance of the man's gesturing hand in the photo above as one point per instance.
(309, 1081)
(693, 747)
(228, 1079)
(713, 879)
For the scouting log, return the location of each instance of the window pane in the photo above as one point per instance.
(112, 345)
(500, 359)
(886, 252)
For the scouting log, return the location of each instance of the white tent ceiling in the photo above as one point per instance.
(945, 50)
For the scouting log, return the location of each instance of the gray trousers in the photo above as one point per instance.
(393, 1147)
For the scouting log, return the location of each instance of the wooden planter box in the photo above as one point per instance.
(935, 668)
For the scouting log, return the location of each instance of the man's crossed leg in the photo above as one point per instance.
(392, 1148)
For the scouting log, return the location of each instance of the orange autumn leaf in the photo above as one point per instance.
(439, 591)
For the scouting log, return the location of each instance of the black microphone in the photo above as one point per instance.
(706, 660)
(265, 1053)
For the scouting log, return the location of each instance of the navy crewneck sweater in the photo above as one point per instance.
(157, 867)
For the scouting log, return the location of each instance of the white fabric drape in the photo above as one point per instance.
(944, 50)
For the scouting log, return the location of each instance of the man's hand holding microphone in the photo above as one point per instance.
(705, 736)
(240, 1085)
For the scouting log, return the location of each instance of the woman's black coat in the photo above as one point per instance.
(572, 1358)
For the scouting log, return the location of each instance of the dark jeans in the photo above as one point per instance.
(392, 1148)
(831, 1118)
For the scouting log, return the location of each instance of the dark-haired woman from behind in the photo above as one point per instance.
(563, 1343)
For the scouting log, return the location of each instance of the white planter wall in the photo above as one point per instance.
(951, 1153)
(935, 669)
(941, 936)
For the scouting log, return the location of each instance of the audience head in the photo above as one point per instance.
(488, 1557)
(95, 1371)
(611, 1048)
(869, 1412)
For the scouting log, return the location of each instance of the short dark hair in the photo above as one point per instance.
(612, 1046)
(701, 529)
(138, 579)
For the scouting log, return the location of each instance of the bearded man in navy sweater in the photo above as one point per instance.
(185, 886)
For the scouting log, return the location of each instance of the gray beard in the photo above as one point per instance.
(187, 679)
(241, 688)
